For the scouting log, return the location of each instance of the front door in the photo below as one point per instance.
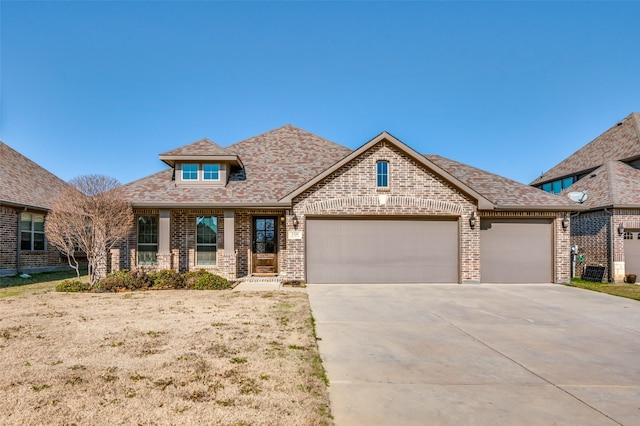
(265, 245)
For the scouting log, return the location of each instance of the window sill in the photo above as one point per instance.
(379, 189)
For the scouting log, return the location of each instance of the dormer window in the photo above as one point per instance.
(382, 173)
(211, 172)
(189, 171)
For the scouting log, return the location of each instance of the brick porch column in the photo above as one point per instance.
(229, 264)
(164, 240)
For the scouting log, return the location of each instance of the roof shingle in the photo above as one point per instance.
(275, 163)
(24, 183)
(614, 184)
(620, 142)
(501, 191)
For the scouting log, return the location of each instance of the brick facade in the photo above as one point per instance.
(351, 191)
(412, 191)
(30, 261)
(591, 232)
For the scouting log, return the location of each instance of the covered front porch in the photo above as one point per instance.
(233, 243)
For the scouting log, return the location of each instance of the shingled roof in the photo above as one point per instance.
(504, 193)
(620, 142)
(275, 163)
(614, 184)
(24, 183)
(203, 150)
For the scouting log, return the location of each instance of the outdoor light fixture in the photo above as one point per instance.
(294, 220)
(621, 229)
(565, 221)
(472, 220)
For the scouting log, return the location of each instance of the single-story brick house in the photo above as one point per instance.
(291, 204)
(27, 192)
(607, 229)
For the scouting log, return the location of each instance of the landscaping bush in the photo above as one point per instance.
(166, 278)
(72, 285)
(124, 280)
(203, 280)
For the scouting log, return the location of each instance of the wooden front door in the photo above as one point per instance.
(265, 245)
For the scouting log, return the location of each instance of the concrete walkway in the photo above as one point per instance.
(478, 354)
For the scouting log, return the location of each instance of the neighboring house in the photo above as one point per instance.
(607, 231)
(290, 204)
(27, 192)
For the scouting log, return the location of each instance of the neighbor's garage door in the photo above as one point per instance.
(516, 251)
(632, 252)
(381, 251)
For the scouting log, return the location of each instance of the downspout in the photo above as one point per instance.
(611, 248)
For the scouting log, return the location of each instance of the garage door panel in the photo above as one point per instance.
(632, 252)
(381, 251)
(516, 251)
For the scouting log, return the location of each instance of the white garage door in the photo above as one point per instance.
(516, 251)
(381, 251)
(632, 252)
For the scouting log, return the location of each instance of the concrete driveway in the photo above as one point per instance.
(478, 354)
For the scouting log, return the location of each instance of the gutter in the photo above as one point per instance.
(278, 205)
(539, 208)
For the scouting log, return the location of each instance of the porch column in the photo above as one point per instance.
(229, 231)
(228, 258)
(164, 240)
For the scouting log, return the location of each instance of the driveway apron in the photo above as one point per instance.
(478, 354)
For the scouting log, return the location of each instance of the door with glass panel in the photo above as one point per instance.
(265, 246)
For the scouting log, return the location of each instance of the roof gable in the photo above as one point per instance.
(504, 193)
(25, 183)
(483, 203)
(620, 142)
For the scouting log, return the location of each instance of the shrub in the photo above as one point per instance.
(110, 283)
(166, 278)
(138, 279)
(203, 280)
(72, 285)
(124, 279)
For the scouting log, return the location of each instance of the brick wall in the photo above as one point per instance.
(412, 190)
(30, 261)
(591, 232)
(8, 238)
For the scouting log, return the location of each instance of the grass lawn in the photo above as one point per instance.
(38, 283)
(159, 357)
(630, 291)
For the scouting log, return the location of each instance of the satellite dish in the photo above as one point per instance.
(578, 196)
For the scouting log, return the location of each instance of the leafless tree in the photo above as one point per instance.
(91, 216)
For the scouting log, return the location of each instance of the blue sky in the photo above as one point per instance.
(509, 87)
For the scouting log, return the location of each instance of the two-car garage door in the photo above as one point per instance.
(345, 250)
(357, 250)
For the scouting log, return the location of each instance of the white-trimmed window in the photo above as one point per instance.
(206, 240)
(147, 240)
(382, 174)
(32, 232)
(211, 171)
(189, 171)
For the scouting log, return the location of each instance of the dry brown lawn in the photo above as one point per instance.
(159, 358)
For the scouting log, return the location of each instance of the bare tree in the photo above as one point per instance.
(91, 216)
